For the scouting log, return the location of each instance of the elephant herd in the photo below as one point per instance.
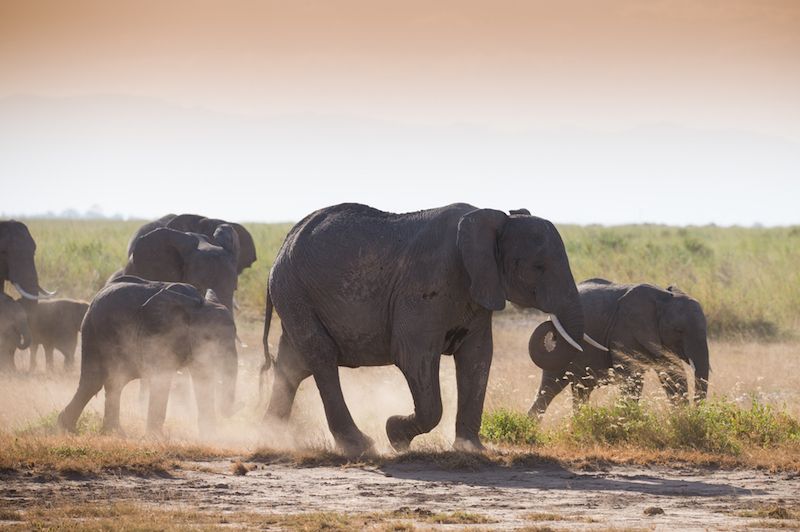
(353, 286)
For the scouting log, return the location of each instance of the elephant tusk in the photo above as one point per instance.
(46, 294)
(595, 343)
(691, 363)
(235, 304)
(25, 294)
(563, 333)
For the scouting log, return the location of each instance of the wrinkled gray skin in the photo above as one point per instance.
(54, 325)
(147, 329)
(355, 286)
(193, 223)
(166, 254)
(654, 328)
(14, 332)
(17, 265)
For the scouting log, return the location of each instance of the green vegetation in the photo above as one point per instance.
(711, 427)
(514, 428)
(746, 278)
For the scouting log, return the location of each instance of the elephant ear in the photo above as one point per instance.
(524, 212)
(188, 223)
(247, 248)
(675, 290)
(477, 237)
(638, 313)
(171, 306)
(161, 254)
(225, 236)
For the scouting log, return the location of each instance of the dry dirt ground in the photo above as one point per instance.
(510, 498)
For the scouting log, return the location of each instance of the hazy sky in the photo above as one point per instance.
(583, 111)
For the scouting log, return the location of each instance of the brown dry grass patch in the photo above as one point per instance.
(129, 516)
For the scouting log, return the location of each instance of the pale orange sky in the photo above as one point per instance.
(518, 64)
(592, 111)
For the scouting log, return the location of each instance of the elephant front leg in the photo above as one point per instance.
(552, 384)
(48, 358)
(204, 394)
(673, 380)
(473, 361)
(160, 384)
(422, 375)
(34, 351)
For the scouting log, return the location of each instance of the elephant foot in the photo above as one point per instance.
(400, 432)
(536, 412)
(113, 430)
(470, 445)
(356, 446)
(64, 426)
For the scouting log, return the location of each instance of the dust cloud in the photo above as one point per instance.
(32, 401)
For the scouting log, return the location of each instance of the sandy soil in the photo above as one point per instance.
(691, 499)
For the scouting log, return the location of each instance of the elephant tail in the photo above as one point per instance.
(267, 355)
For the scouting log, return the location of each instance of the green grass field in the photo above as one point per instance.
(746, 278)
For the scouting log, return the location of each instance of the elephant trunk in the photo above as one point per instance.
(22, 274)
(570, 317)
(22, 328)
(697, 352)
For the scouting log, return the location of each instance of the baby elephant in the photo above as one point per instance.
(54, 325)
(149, 329)
(14, 331)
(643, 327)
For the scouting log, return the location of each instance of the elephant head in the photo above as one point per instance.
(520, 258)
(202, 331)
(193, 223)
(14, 327)
(169, 255)
(17, 265)
(670, 323)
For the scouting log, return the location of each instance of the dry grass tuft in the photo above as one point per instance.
(239, 469)
(91, 455)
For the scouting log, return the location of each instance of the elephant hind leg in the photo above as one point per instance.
(68, 349)
(316, 350)
(289, 371)
(422, 375)
(88, 388)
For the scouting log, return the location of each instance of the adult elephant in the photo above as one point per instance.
(166, 254)
(17, 265)
(194, 223)
(355, 286)
(644, 327)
